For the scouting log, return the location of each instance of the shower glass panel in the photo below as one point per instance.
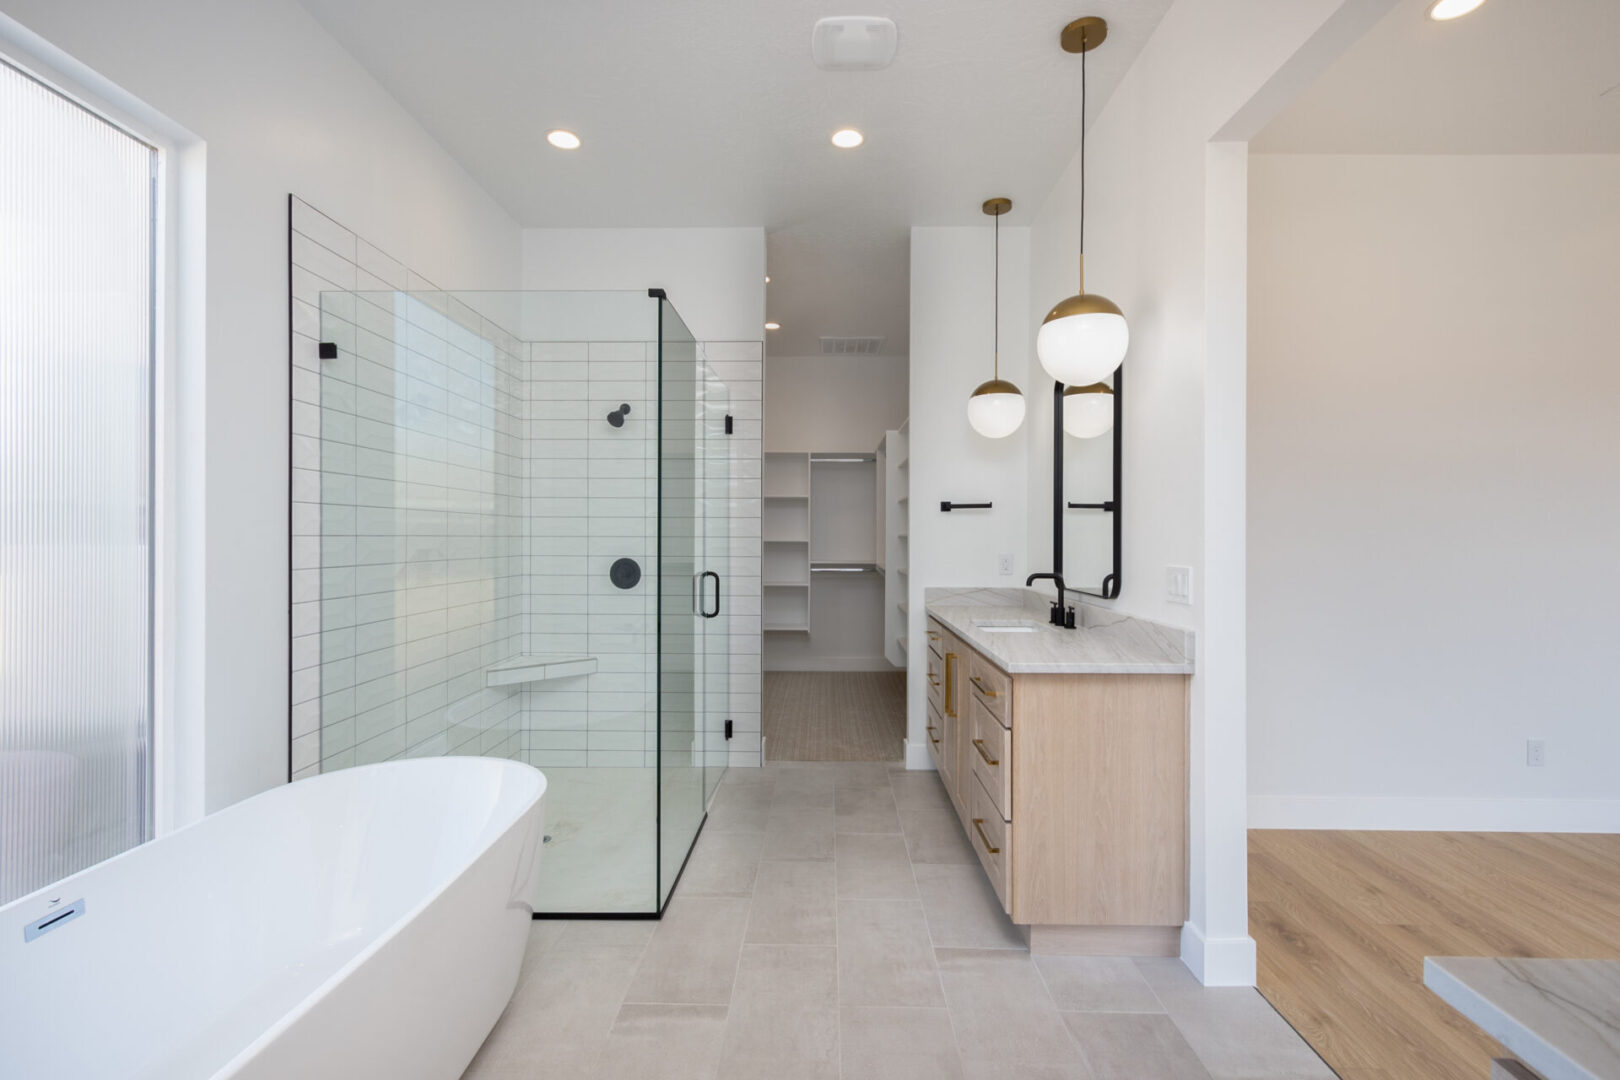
(716, 512)
(511, 537)
(684, 600)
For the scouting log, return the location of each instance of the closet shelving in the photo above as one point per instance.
(895, 500)
(785, 536)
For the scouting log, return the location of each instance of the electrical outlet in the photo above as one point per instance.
(1005, 564)
(1535, 753)
(1178, 584)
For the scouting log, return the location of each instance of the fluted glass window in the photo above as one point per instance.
(76, 378)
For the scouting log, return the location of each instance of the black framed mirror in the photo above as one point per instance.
(1096, 479)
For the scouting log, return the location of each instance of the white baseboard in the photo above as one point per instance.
(918, 757)
(1434, 815)
(1218, 961)
(832, 663)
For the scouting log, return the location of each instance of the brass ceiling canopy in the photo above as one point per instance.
(997, 206)
(1085, 34)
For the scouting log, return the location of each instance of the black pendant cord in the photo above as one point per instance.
(1083, 169)
(995, 318)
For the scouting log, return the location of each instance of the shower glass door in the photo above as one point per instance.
(716, 487)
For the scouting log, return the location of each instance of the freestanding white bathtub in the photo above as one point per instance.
(364, 923)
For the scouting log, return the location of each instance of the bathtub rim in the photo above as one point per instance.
(382, 937)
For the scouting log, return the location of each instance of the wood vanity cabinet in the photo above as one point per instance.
(1072, 790)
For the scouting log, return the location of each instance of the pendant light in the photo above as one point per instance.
(1083, 339)
(996, 408)
(1088, 411)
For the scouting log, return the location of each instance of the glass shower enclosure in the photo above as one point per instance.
(524, 503)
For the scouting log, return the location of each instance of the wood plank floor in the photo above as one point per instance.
(1344, 919)
(834, 715)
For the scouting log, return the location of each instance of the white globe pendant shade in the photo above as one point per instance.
(1088, 411)
(996, 409)
(1083, 340)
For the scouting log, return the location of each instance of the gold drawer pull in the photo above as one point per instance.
(933, 680)
(931, 730)
(932, 636)
(979, 686)
(978, 826)
(978, 744)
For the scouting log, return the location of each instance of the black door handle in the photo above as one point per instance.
(716, 611)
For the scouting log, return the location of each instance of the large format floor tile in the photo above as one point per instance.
(884, 955)
(836, 926)
(794, 904)
(692, 956)
(1000, 1009)
(962, 909)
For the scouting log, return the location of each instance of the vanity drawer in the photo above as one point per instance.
(936, 638)
(936, 680)
(936, 735)
(992, 839)
(992, 687)
(989, 754)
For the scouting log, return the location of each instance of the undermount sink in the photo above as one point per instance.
(1006, 627)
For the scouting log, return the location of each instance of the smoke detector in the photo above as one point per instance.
(853, 43)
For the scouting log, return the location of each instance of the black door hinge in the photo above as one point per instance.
(728, 424)
(728, 729)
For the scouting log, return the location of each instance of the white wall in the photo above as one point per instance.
(282, 108)
(714, 277)
(1434, 459)
(951, 348)
(1165, 240)
(833, 402)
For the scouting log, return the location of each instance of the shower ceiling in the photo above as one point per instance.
(712, 113)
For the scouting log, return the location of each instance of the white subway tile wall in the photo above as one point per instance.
(592, 499)
(459, 498)
(416, 436)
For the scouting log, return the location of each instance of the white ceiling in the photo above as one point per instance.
(1513, 77)
(711, 112)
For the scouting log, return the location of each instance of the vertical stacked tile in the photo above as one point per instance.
(407, 516)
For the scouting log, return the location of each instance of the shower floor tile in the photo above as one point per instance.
(603, 825)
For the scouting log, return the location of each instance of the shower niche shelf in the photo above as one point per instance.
(532, 669)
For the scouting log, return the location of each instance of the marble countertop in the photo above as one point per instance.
(1105, 643)
(1559, 1017)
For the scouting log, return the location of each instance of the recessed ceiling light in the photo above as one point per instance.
(1445, 10)
(849, 138)
(773, 326)
(767, 279)
(563, 140)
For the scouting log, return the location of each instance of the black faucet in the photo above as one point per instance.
(1057, 618)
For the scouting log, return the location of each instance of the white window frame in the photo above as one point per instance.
(179, 510)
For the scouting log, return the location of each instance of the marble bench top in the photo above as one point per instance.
(1559, 1017)
(1105, 642)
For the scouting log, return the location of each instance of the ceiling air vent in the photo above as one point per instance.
(851, 346)
(853, 43)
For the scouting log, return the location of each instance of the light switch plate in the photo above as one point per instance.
(1178, 584)
(1535, 753)
(1005, 564)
